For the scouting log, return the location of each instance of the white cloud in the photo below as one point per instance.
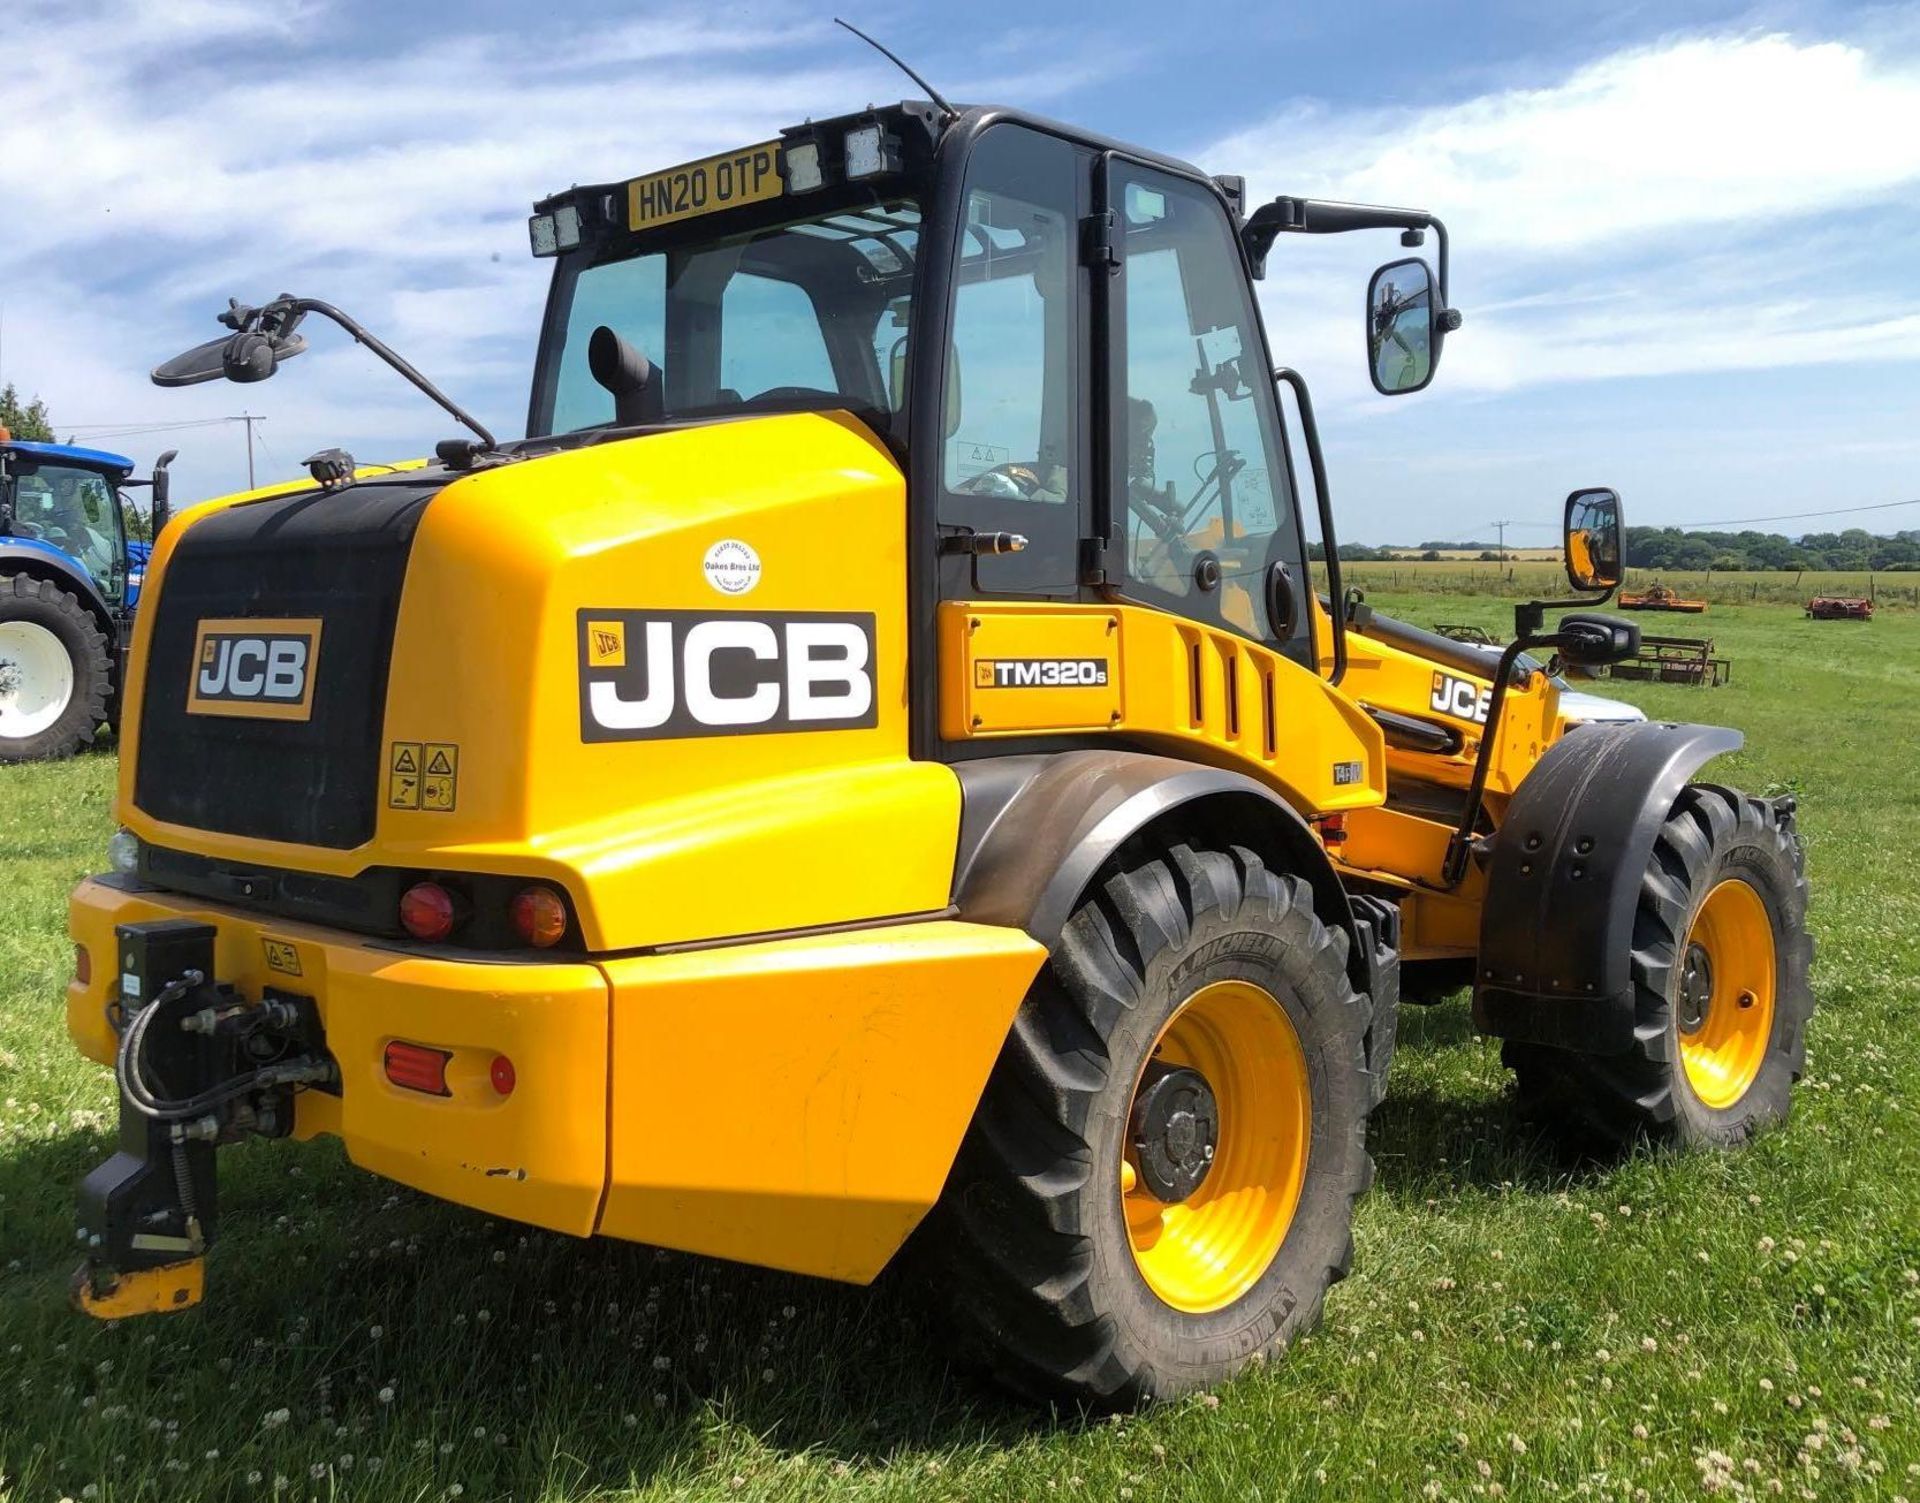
(1693, 131)
(1658, 211)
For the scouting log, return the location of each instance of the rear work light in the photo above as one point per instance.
(415, 1067)
(539, 916)
(427, 911)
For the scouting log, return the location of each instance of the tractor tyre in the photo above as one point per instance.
(1159, 1181)
(1720, 991)
(54, 673)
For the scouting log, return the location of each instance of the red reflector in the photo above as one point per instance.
(502, 1075)
(539, 917)
(82, 962)
(426, 911)
(415, 1067)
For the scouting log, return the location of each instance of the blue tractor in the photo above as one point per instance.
(69, 580)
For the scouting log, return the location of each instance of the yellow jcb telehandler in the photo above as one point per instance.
(874, 758)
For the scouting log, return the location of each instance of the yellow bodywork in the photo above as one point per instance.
(658, 841)
(795, 1103)
(777, 1033)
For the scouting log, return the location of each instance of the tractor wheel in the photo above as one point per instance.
(1159, 1181)
(53, 671)
(1720, 958)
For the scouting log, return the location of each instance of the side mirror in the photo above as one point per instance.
(1403, 343)
(1594, 641)
(1592, 539)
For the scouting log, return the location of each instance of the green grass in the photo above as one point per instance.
(1627, 1325)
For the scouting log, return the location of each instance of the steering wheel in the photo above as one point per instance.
(1014, 481)
(796, 394)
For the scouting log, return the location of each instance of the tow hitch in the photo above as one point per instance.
(198, 1065)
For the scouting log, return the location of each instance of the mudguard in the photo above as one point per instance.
(1034, 831)
(1556, 931)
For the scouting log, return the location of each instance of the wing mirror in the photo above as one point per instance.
(261, 339)
(1591, 534)
(1403, 327)
(1594, 641)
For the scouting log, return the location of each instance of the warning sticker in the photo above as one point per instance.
(440, 781)
(281, 957)
(403, 775)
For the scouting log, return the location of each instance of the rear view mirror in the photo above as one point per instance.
(1401, 341)
(261, 339)
(1592, 532)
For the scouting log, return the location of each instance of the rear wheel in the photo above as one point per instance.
(53, 671)
(1721, 999)
(1159, 1182)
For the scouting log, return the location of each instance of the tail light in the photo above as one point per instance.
(415, 1067)
(502, 1075)
(539, 916)
(427, 911)
(82, 965)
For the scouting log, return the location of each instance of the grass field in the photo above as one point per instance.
(1661, 1328)
(1897, 590)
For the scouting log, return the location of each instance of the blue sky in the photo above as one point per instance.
(1682, 232)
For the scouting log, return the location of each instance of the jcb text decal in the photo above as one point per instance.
(262, 669)
(1461, 697)
(658, 674)
(1039, 673)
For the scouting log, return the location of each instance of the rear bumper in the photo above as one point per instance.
(536, 1155)
(795, 1103)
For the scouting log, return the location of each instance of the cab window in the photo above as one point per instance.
(77, 512)
(1197, 433)
(1010, 455)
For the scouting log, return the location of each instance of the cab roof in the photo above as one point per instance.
(92, 459)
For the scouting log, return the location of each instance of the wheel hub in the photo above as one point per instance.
(36, 679)
(1696, 988)
(1174, 1130)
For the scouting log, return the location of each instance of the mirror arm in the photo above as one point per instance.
(1319, 216)
(372, 342)
(1310, 431)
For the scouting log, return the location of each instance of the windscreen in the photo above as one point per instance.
(809, 312)
(74, 510)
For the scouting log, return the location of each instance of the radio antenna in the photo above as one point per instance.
(932, 93)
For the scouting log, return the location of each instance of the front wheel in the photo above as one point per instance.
(1721, 996)
(53, 671)
(1158, 1185)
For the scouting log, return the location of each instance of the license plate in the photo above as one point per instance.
(748, 176)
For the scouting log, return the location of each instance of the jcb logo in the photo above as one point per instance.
(262, 669)
(1461, 698)
(659, 674)
(1039, 673)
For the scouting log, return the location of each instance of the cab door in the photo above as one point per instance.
(1203, 520)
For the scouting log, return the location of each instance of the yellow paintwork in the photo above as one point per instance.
(799, 1104)
(1722, 1058)
(794, 1103)
(149, 1291)
(666, 840)
(538, 1155)
(1205, 1252)
(1189, 690)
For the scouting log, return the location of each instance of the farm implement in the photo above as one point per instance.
(1659, 597)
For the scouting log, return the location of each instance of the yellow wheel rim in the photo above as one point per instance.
(1203, 1252)
(1726, 994)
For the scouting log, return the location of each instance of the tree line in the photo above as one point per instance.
(1657, 548)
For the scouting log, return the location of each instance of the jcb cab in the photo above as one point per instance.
(874, 757)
